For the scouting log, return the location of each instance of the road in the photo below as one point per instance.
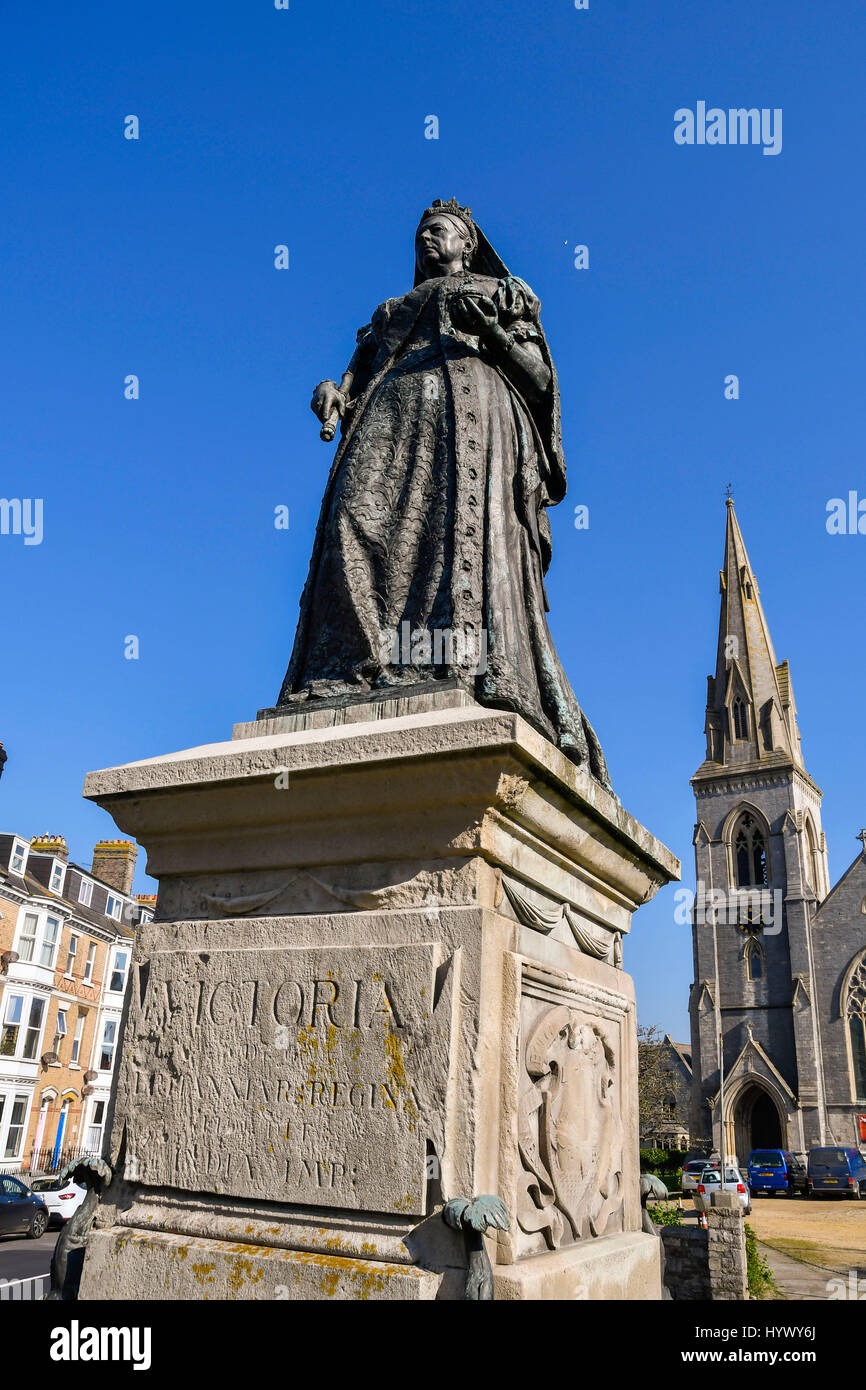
(21, 1258)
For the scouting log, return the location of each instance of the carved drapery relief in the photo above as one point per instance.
(569, 1131)
(306, 891)
(599, 945)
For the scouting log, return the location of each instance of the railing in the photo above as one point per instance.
(43, 1162)
(25, 1290)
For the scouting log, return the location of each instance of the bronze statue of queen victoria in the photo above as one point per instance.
(435, 514)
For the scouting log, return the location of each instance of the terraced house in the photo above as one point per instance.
(66, 936)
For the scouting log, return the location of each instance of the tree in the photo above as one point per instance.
(653, 1078)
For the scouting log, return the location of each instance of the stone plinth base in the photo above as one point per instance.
(614, 1267)
(158, 1266)
(385, 972)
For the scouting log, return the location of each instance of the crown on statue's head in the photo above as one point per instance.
(453, 209)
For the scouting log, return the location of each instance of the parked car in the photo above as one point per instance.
(22, 1212)
(775, 1170)
(710, 1182)
(837, 1170)
(61, 1196)
(692, 1172)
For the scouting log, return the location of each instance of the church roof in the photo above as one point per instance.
(856, 866)
(751, 715)
(683, 1051)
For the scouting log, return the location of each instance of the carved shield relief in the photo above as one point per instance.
(570, 1126)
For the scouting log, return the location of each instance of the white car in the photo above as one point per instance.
(709, 1183)
(692, 1173)
(62, 1198)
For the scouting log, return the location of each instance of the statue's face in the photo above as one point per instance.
(439, 246)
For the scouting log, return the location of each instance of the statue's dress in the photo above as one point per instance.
(434, 516)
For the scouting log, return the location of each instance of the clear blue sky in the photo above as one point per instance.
(306, 127)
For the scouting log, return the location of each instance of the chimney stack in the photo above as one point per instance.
(114, 863)
(50, 844)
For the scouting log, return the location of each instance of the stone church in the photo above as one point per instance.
(779, 954)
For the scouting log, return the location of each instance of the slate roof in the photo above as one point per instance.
(32, 887)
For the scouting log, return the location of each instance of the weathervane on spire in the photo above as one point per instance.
(728, 490)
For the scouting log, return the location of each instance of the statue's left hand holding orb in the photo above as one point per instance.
(477, 314)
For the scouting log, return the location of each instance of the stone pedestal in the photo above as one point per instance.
(385, 971)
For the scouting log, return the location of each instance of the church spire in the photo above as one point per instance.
(751, 716)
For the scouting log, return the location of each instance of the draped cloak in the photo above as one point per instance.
(434, 517)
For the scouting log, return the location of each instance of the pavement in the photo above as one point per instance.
(797, 1280)
(21, 1258)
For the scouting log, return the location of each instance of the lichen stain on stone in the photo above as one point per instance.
(396, 1068)
(243, 1269)
(394, 1060)
(364, 1279)
(204, 1273)
(332, 1039)
(308, 1046)
(371, 1283)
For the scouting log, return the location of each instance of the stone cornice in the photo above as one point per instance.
(753, 777)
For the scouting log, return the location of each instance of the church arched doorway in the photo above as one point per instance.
(756, 1123)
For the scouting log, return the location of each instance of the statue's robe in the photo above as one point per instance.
(434, 519)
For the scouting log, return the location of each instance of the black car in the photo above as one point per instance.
(838, 1171)
(22, 1213)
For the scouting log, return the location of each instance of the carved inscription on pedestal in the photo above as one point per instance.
(311, 1076)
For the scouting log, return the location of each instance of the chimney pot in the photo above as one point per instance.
(114, 863)
(50, 844)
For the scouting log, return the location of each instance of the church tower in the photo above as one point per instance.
(761, 869)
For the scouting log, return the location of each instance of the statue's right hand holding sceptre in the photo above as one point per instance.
(329, 403)
(332, 402)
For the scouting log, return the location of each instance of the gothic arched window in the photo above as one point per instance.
(855, 1009)
(750, 853)
(670, 1107)
(811, 857)
(754, 961)
(741, 718)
